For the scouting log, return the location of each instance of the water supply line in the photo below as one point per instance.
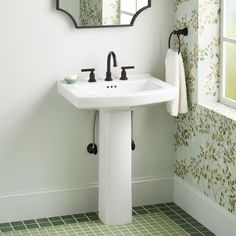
(133, 146)
(92, 147)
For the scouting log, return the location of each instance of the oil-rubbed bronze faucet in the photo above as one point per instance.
(108, 74)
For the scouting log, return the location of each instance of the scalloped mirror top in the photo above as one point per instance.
(102, 13)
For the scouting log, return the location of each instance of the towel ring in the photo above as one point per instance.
(179, 32)
(176, 33)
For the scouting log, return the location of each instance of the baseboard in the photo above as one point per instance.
(205, 210)
(58, 202)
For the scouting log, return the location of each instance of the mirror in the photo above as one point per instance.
(102, 13)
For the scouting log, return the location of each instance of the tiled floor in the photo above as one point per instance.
(159, 220)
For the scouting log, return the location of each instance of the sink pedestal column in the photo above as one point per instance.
(115, 187)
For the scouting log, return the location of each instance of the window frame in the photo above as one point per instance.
(223, 39)
(130, 13)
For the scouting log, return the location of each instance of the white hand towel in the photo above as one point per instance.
(175, 76)
(183, 100)
(172, 77)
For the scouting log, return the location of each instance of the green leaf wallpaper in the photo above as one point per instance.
(91, 12)
(205, 140)
(99, 12)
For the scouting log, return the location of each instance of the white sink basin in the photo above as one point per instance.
(115, 155)
(137, 91)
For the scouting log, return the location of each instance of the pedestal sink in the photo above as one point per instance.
(114, 100)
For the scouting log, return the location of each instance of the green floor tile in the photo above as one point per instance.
(29, 222)
(32, 226)
(82, 219)
(70, 221)
(43, 220)
(149, 207)
(208, 234)
(196, 224)
(19, 227)
(186, 226)
(141, 212)
(45, 224)
(18, 223)
(67, 217)
(55, 223)
(203, 229)
(192, 230)
(5, 225)
(8, 229)
(152, 220)
(54, 219)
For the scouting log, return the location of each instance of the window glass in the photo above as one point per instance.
(230, 70)
(128, 6)
(228, 55)
(124, 18)
(230, 18)
(141, 4)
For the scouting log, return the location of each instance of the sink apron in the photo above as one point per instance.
(115, 169)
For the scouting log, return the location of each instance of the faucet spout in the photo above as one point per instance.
(113, 56)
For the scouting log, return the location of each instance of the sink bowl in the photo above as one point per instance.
(114, 101)
(139, 90)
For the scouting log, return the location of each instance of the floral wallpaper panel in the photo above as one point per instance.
(91, 12)
(99, 12)
(205, 140)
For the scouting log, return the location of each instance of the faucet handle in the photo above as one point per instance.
(127, 67)
(123, 72)
(92, 74)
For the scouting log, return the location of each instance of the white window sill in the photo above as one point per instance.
(221, 109)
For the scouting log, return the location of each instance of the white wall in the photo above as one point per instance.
(43, 138)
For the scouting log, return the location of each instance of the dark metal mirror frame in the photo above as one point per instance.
(79, 27)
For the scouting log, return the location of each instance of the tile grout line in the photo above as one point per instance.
(149, 220)
(174, 222)
(90, 228)
(185, 220)
(161, 220)
(151, 225)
